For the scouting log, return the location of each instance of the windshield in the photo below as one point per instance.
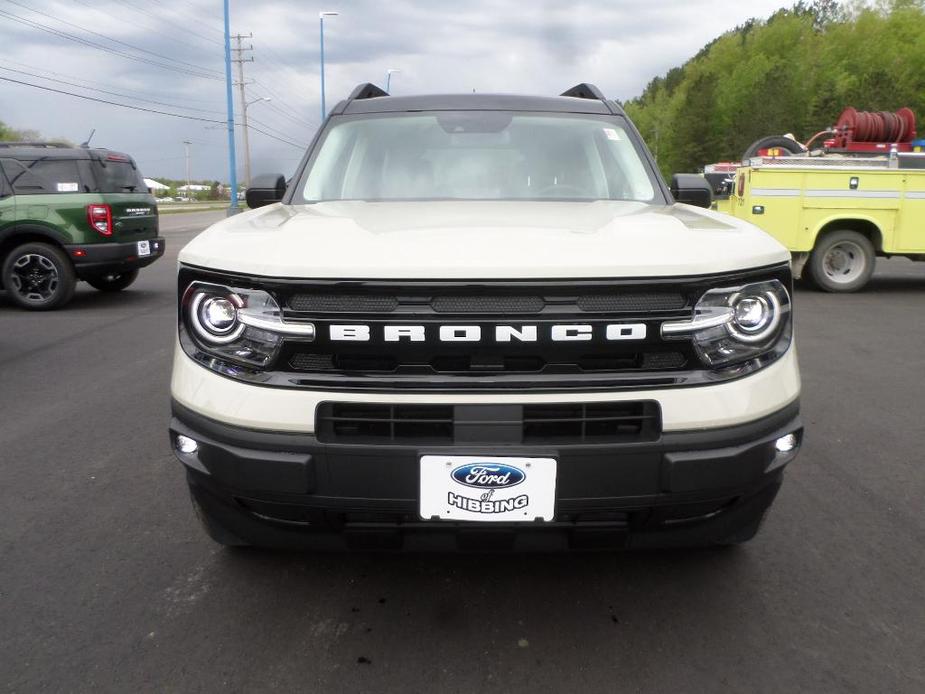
(118, 177)
(477, 155)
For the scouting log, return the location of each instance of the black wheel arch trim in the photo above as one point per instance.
(33, 230)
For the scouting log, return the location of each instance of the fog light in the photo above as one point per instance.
(787, 443)
(186, 445)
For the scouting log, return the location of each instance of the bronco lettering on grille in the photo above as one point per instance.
(500, 333)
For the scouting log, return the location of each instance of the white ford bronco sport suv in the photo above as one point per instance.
(483, 322)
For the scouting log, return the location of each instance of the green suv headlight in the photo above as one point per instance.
(733, 325)
(238, 325)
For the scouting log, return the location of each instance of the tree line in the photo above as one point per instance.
(792, 73)
(10, 134)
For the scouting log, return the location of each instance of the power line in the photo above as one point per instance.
(74, 81)
(271, 128)
(280, 101)
(109, 38)
(278, 139)
(276, 104)
(107, 49)
(170, 35)
(174, 11)
(173, 24)
(142, 108)
(105, 91)
(111, 103)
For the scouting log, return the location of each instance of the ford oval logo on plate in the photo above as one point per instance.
(488, 475)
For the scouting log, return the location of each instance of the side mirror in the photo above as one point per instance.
(692, 189)
(265, 190)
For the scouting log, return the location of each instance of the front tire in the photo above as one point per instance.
(843, 261)
(113, 281)
(38, 277)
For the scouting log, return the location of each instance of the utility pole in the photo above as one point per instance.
(189, 191)
(240, 60)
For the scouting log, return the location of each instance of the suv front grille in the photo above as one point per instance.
(588, 335)
(489, 363)
(630, 301)
(498, 304)
(343, 303)
(475, 364)
(558, 423)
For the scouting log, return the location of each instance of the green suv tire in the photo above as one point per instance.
(113, 281)
(38, 276)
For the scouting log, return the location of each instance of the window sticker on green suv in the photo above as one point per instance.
(114, 174)
(41, 176)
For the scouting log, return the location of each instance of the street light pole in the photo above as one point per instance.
(247, 143)
(321, 16)
(187, 143)
(388, 79)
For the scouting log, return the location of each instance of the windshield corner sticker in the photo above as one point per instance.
(612, 134)
(68, 187)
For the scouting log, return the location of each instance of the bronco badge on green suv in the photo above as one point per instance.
(68, 214)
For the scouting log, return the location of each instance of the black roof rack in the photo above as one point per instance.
(50, 145)
(367, 90)
(365, 98)
(585, 91)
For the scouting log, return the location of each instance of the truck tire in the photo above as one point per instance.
(113, 281)
(842, 261)
(780, 141)
(38, 277)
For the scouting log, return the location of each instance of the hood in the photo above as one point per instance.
(481, 240)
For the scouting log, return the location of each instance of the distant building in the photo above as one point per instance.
(155, 186)
(194, 188)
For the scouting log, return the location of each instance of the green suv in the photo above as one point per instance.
(68, 214)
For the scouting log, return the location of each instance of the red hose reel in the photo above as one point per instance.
(873, 130)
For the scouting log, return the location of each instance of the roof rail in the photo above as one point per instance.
(56, 145)
(585, 91)
(367, 90)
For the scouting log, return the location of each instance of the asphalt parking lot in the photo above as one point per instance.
(108, 584)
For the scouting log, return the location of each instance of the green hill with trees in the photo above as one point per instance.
(792, 73)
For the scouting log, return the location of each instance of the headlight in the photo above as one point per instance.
(237, 325)
(737, 324)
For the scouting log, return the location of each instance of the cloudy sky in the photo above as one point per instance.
(167, 55)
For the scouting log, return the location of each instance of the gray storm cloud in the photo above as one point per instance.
(525, 47)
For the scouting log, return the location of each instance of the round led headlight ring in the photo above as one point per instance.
(214, 317)
(218, 315)
(752, 313)
(755, 317)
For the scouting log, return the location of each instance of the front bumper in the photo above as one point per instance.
(96, 258)
(288, 490)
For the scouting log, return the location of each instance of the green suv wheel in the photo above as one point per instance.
(38, 276)
(113, 281)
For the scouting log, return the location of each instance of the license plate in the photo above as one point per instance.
(144, 248)
(487, 488)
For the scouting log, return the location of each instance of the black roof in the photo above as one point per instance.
(368, 98)
(53, 150)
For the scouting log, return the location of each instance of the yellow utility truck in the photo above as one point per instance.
(835, 214)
